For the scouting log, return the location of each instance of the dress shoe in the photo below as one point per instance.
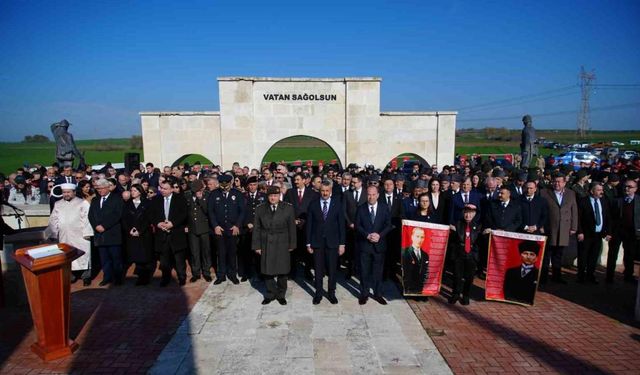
(104, 282)
(593, 280)
(193, 279)
(316, 299)
(164, 282)
(380, 300)
(182, 282)
(629, 279)
(207, 278)
(465, 300)
(282, 301)
(234, 280)
(609, 280)
(332, 298)
(267, 301)
(142, 281)
(219, 280)
(363, 300)
(454, 298)
(86, 282)
(244, 279)
(74, 278)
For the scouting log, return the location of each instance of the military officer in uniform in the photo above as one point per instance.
(226, 217)
(274, 237)
(198, 232)
(249, 260)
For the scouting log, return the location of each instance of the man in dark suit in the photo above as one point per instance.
(520, 282)
(518, 188)
(594, 224)
(249, 260)
(373, 223)
(464, 197)
(66, 177)
(415, 263)
(198, 232)
(464, 253)
(325, 239)
(226, 217)
(627, 225)
(534, 209)
(105, 214)
(504, 214)
(351, 200)
(396, 209)
(169, 215)
(151, 176)
(300, 196)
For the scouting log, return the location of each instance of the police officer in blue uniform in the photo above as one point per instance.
(226, 216)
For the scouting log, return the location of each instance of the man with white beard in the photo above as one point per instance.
(69, 223)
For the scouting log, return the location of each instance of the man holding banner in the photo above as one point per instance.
(464, 238)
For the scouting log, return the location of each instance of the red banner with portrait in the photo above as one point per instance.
(423, 249)
(513, 269)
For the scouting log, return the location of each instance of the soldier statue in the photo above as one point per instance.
(527, 144)
(66, 150)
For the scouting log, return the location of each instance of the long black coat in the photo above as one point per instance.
(110, 217)
(506, 218)
(534, 212)
(138, 249)
(274, 234)
(457, 240)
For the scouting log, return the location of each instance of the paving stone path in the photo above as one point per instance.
(229, 331)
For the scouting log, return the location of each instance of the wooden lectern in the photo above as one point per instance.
(47, 280)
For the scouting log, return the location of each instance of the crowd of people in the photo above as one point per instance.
(284, 220)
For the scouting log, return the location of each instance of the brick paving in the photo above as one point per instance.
(121, 330)
(581, 329)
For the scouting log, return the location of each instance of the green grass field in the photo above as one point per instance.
(100, 151)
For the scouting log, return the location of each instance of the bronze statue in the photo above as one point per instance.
(527, 144)
(66, 150)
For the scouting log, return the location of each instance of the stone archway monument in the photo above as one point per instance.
(257, 112)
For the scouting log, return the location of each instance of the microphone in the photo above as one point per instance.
(16, 209)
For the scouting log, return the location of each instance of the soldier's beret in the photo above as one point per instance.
(20, 179)
(613, 177)
(522, 176)
(400, 177)
(498, 173)
(225, 178)
(374, 178)
(252, 180)
(457, 178)
(273, 190)
(531, 246)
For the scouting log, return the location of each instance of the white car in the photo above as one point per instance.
(628, 155)
(614, 143)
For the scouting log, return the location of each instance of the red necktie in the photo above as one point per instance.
(467, 239)
(299, 196)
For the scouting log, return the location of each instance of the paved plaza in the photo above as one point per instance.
(230, 332)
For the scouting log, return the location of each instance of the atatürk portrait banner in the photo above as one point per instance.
(513, 270)
(423, 247)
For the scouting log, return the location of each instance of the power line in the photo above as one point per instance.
(521, 102)
(550, 114)
(519, 97)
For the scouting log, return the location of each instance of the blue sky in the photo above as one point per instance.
(99, 63)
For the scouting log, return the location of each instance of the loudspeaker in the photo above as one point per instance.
(131, 161)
